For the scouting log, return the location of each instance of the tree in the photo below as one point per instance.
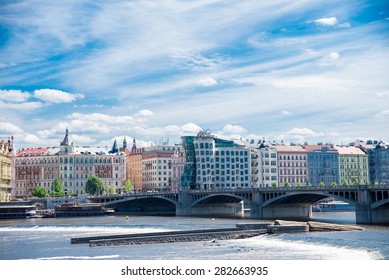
(298, 184)
(94, 185)
(286, 184)
(108, 189)
(345, 183)
(56, 188)
(40, 192)
(367, 182)
(321, 184)
(274, 185)
(128, 186)
(334, 184)
(309, 184)
(356, 182)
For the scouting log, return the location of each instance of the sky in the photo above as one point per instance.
(286, 70)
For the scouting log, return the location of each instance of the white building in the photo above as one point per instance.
(267, 165)
(221, 163)
(72, 165)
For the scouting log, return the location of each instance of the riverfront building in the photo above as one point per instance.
(216, 163)
(353, 166)
(267, 165)
(323, 164)
(71, 164)
(381, 157)
(292, 165)
(157, 167)
(178, 161)
(134, 166)
(5, 170)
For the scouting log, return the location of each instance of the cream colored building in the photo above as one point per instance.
(5, 172)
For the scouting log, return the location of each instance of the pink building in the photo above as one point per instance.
(292, 165)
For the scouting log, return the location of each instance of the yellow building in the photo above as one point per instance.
(5, 171)
(134, 167)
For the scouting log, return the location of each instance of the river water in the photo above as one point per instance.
(49, 239)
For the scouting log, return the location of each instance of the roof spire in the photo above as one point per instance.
(65, 141)
(114, 149)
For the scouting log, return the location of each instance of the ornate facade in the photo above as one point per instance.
(71, 164)
(5, 171)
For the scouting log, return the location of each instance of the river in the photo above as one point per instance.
(49, 239)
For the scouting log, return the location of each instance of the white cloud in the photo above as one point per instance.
(285, 113)
(56, 96)
(331, 21)
(383, 114)
(99, 118)
(333, 55)
(14, 95)
(9, 128)
(383, 94)
(345, 25)
(230, 129)
(207, 82)
(21, 106)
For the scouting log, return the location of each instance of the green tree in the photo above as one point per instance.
(108, 189)
(274, 184)
(309, 184)
(286, 184)
(94, 185)
(40, 192)
(128, 186)
(356, 182)
(298, 184)
(56, 188)
(367, 182)
(321, 184)
(334, 184)
(345, 183)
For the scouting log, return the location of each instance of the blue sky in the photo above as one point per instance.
(285, 70)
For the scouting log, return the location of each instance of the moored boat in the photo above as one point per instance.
(84, 209)
(16, 211)
(333, 206)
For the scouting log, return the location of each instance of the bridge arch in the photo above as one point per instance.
(139, 198)
(304, 198)
(221, 198)
(379, 203)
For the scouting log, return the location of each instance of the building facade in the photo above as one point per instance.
(217, 163)
(5, 171)
(381, 157)
(157, 167)
(178, 161)
(323, 165)
(353, 166)
(71, 164)
(292, 165)
(134, 167)
(267, 165)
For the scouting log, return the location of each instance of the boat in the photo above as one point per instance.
(32, 214)
(16, 211)
(85, 209)
(333, 206)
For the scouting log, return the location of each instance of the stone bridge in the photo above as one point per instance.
(371, 202)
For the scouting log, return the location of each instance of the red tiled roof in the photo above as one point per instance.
(31, 152)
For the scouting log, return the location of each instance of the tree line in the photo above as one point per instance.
(94, 186)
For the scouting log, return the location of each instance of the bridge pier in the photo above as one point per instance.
(183, 207)
(287, 211)
(256, 206)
